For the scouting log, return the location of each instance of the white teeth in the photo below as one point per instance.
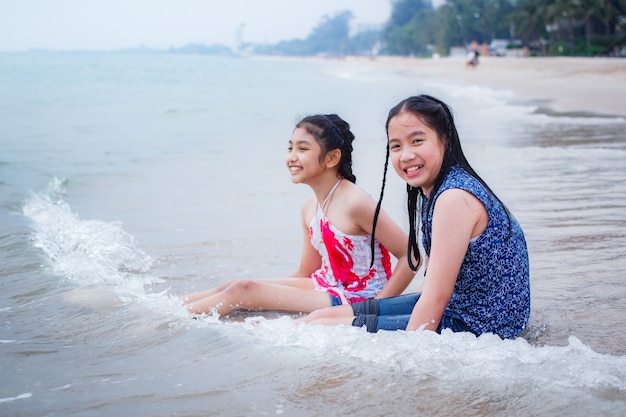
(413, 169)
(294, 169)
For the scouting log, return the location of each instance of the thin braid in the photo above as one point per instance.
(380, 201)
(413, 206)
(345, 145)
(334, 126)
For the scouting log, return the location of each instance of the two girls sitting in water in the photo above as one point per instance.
(477, 272)
(340, 264)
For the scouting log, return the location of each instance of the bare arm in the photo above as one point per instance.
(458, 216)
(310, 260)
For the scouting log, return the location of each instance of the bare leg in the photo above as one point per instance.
(292, 282)
(330, 316)
(299, 297)
(190, 298)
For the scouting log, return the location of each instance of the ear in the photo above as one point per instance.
(332, 158)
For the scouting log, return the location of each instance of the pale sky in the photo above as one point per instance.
(112, 24)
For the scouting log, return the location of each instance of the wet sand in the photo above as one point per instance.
(564, 84)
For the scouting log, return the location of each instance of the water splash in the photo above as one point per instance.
(453, 357)
(87, 251)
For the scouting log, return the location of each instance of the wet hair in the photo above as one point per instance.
(332, 132)
(435, 114)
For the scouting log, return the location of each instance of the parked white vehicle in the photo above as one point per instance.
(497, 47)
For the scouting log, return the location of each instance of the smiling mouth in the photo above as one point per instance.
(295, 169)
(413, 169)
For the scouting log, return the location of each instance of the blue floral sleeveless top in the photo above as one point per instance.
(492, 291)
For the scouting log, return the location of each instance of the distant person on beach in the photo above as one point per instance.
(477, 271)
(341, 261)
(471, 60)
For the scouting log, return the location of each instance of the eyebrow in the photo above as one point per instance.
(411, 135)
(300, 142)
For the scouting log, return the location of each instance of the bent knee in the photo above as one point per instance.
(241, 286)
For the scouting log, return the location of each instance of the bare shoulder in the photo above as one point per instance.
(360, 207)
(461, 207)
(359, 200)
(460, 199)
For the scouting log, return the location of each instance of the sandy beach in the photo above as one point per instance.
(564, 84)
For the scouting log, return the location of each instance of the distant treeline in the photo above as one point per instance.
(544, 27)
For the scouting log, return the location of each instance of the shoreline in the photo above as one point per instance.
(562, 84)
(571, 85)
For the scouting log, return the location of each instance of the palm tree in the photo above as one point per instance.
(562, 14)
(529, 21)
(599, 16)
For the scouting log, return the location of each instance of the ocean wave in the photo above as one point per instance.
(19, 397)
(453, 357)
(88, 251)
(504, 105)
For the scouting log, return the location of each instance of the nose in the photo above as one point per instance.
(407, 154)
(291, 155)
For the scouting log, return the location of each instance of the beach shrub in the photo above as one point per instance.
(603, 44)
(559, 48)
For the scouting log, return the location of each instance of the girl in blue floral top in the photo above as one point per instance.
(477, 272)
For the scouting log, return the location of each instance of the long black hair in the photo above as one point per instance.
(332, 132)
(435, 114)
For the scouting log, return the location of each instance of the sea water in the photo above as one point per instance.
(128, 180)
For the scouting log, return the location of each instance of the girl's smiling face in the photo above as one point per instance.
(416, 151)
(303, 156)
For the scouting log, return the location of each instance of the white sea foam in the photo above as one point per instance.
(101, 257)
(19, 397)
(499, 104)
(452, 356)
(87, 251)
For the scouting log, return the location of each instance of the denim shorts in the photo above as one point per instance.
(394, 313)
(334, 300)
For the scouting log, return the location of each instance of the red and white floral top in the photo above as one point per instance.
(345, 270)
